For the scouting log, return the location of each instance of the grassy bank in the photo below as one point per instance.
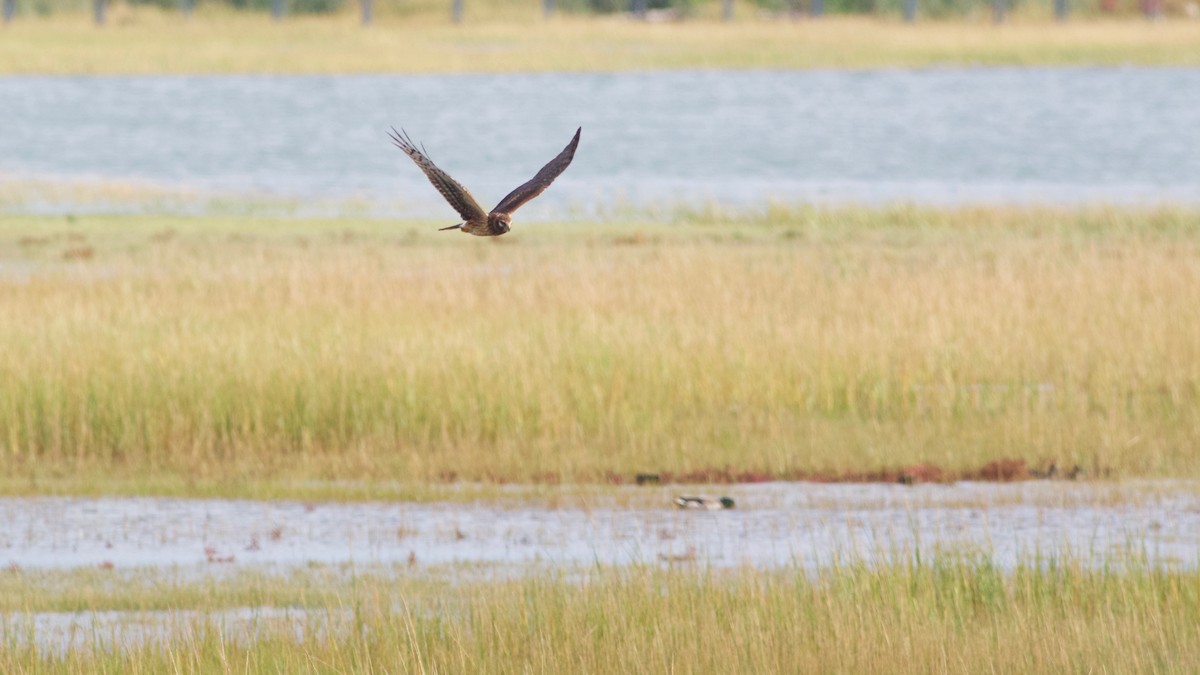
(148, 41)
(161, 350)
(949, 616)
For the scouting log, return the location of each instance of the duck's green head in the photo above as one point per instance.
(726, 503)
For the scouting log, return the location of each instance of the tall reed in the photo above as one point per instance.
(781, 343)
(960, 615)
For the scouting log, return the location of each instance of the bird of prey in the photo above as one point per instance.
(475, 220)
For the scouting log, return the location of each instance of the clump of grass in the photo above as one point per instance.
(953, 615)
(842, 341)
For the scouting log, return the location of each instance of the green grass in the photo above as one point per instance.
(231, 355)
(513, 38)
(952, 615)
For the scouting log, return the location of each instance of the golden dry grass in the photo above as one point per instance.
(234, 350)
(511, 37)
(951, 616)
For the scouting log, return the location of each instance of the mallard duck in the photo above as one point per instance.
(709, 503)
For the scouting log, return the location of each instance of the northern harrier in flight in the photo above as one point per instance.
(475, 220)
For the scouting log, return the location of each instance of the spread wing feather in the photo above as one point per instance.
(541, 181)
(452, 190)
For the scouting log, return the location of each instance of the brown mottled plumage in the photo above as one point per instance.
(475, 220)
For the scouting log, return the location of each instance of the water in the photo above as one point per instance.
(773, 525)
(1009, 135)
(1156, 523)
(59, 633)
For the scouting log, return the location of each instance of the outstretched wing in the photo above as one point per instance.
(541, 181)
(455, 193)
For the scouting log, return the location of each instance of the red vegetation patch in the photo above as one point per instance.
(1004, 470)
(921, 473)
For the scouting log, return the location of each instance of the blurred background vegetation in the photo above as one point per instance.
(930, 9)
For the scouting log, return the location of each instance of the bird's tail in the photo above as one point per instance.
(452, 227)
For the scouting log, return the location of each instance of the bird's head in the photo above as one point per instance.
(503, 222)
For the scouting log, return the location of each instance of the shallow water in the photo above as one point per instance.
(1055, 135)
(773, 525)
(62, 632)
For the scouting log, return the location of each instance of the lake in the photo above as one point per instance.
(938, 136)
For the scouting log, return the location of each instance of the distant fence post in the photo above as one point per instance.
(727, 10)
(997, 11)
(1060, 10)
(456, 11)
(547, 8)
(366, 11)
(277, 9)
(639, 8)
(817, 8)
(98, 12)
(185, 7)
(10, 8)
(910, 10)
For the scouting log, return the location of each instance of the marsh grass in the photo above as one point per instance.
(20, 195)
(788, 342)
(505, 37)
(954, 614)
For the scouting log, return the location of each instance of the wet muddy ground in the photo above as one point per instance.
(773, 524)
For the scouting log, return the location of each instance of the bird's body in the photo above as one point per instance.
(475, 220)
(492, 225)
(707, 503)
